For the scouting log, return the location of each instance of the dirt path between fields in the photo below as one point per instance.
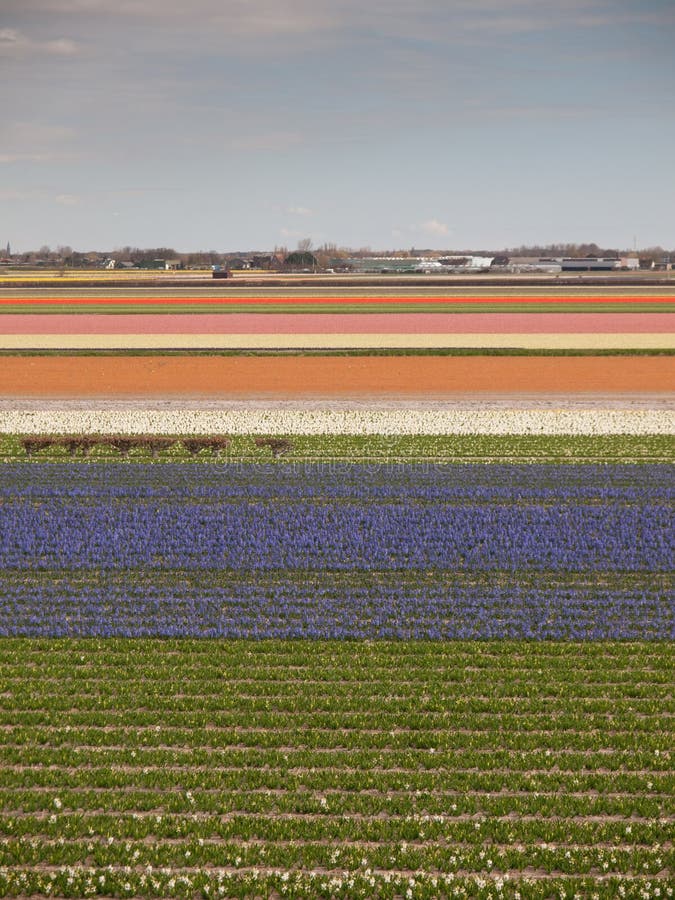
(326, 376)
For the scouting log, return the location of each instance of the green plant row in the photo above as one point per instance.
(81, 654)
(354, 711)
(386, 449)
(123, 824)
(555, 727)
(615, 667)
(372, 748)
(320, 796)
(347, 781)
(179, 581)
(308, 817)
(267, 733)
(351, 856)
(513, 700)
(548, 771)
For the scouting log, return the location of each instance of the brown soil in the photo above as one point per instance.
(326, 376)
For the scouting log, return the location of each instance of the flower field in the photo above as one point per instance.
(568, 330)
(300, 319)
(323, 626)
(395, 551)
(338, 424)
(68, 298)
(330, 376)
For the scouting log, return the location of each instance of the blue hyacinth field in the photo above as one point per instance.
(382, 551)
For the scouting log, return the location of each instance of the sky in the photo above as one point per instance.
(253, 124)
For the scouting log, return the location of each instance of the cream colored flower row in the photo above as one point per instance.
(339, 421)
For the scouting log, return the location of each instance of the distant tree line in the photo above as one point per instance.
(304, 254)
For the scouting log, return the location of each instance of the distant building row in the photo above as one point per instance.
(439, 264)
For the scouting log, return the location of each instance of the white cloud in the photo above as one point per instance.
(19, 196)
(236, 17)
(67, 199)
(40, 194)
(299, 211)
(270, 140)
(6, 158)
(260, 18)
(15, 44)
(33, 142)
(430, 228)
(35, 132)
(244, 24)
(433, 227)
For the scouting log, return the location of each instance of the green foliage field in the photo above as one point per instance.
(324, 769)
(392, 448)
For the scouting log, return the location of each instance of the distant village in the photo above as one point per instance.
(329, 258)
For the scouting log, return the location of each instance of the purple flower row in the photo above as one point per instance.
(386, 482)
(574, 611)
(336, 536)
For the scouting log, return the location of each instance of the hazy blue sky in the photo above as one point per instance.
(237, 124)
